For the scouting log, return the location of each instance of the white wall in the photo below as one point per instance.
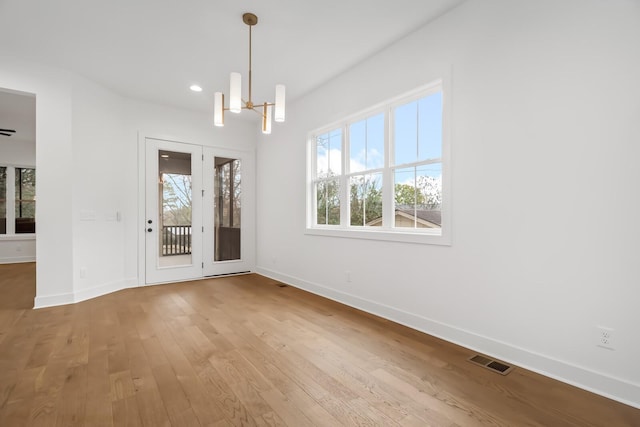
(100, 158)
(52, 88)
(18, 248)
(545, 109)
(106, 129)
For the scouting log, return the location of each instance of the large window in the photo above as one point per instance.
(381, 174)
(17, 201)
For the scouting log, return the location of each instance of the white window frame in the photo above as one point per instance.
(386, 232)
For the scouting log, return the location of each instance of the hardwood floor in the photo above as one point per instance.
(245, 351)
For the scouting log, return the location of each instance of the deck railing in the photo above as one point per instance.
(176, 240)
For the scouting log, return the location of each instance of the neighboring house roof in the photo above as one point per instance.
(432, 216)
(428, 217)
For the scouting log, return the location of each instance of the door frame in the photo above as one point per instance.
(155, 273)
(248, 201)
(247, 237)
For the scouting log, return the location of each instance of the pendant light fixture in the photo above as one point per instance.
(237, 103)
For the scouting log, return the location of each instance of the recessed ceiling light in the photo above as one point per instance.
(195, 88)
(164, 156)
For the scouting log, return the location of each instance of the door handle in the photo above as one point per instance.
(149, 229)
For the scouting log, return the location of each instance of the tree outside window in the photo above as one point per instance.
(25, 211)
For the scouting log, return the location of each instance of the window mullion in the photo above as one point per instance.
(344, 180)
(388, 208)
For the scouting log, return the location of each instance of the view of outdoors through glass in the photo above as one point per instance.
(175, 195)
(327, 188)
(414, 167)
(228, 209)
(25, 213)
(3, 200)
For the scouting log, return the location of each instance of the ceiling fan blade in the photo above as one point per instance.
(8, 130)
(5, 134)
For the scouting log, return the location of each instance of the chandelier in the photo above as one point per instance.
(237, 103)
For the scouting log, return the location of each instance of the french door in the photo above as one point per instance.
(198, 211)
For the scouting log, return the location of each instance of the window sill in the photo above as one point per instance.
(17, 237)
(424, 238)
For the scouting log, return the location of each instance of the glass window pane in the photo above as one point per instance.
(430, 127)
(322, 155)
(418, 130)
(358, 146)
(329, 154)
(429, 186)
(176, 199)
(335, 152)
(228, 209)
(176, 208)
(405, 197)
(321, 202)
(366, 200)
(375, 142)
(25, 200)
(328, 202)
(366, 140)
(3, 200)
(418, 196)
(404, 189)
(405, 133)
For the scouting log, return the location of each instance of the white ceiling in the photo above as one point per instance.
(154, 49)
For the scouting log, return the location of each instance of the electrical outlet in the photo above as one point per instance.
(605, 337)
(347, 276)
(83, 272)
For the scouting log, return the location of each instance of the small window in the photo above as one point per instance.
(381, 174)
(17, 200)
(25, 215)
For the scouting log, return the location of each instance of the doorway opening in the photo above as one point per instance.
(197, 211)
(18, 192)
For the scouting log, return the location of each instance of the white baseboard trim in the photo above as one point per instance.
(131, 282)
(100, 290)
(52, 300)
(613, 388)
(17, 259)
(85, 294)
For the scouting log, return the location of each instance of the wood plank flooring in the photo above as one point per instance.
(243, 351)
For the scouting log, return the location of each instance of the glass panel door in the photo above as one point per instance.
(228, 211)
(174, 215)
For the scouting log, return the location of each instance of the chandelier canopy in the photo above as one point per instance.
(237, 103)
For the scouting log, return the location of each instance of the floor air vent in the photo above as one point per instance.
(493, 365)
